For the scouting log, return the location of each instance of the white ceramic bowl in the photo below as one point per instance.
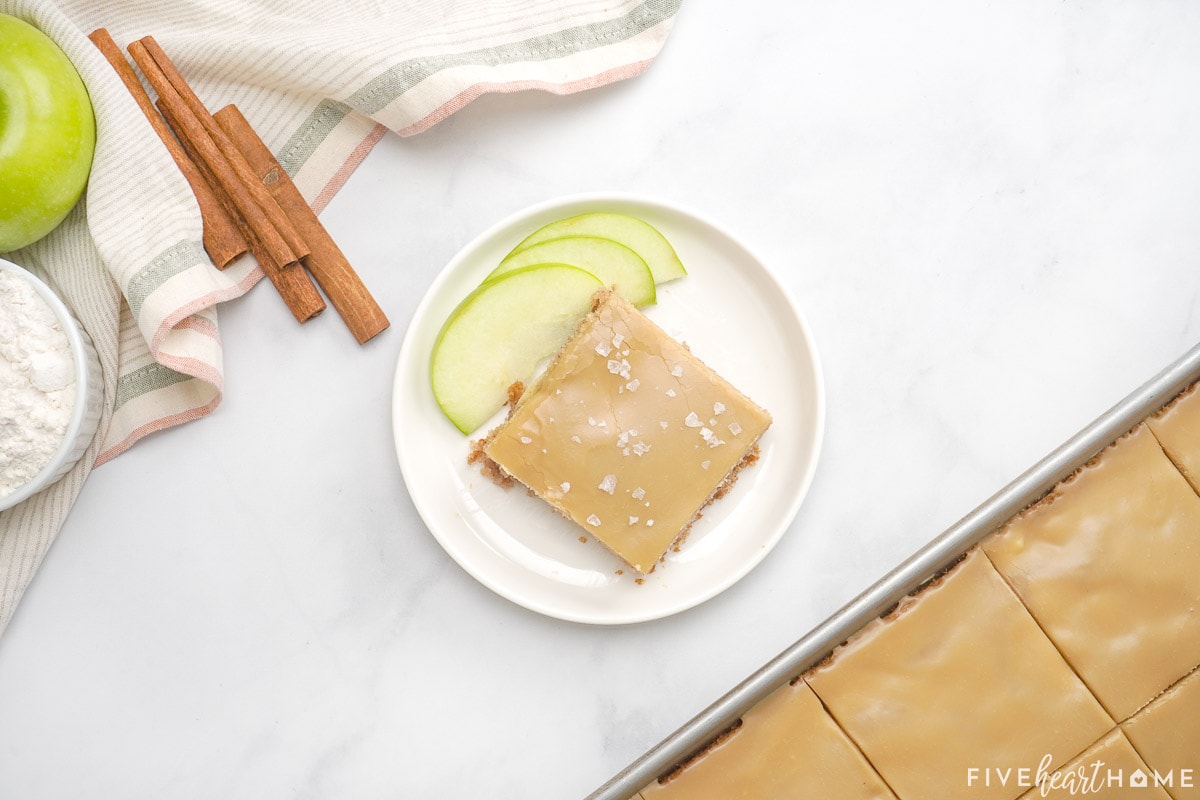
(89, 394)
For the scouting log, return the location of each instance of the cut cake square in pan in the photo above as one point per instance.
(1167, 734)
(1108, 770)
(1108, 563)
(957, 681)
(786, 746)
(1177, 428)
(627, 433)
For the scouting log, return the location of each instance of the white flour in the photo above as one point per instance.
(37, 383)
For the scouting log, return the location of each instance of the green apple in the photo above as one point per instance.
(47, 134)
(501, 332)
(613, 263)
(636, 234)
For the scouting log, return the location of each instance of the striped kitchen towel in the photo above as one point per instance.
(321, 82)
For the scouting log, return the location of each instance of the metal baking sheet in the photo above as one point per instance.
(905, 578)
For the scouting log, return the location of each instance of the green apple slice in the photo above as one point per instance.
(636, 234)
(501, 332)
(613, 263)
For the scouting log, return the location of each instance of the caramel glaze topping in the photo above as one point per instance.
(786, 746)
(1108, 566)
(627, 433)
(1167, 734)
(1108, 770)
(959, 677)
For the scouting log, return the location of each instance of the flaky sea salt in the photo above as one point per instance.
(37, 383)
(711, 438)
(620, 368)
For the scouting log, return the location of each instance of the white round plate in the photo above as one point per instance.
(736, 317)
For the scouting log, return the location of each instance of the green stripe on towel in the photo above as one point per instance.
(145, 380)
(172, 261)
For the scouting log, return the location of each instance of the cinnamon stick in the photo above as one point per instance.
(231, 153)
(210, 146)
(326, 261)
(223, 239)
(290, 280)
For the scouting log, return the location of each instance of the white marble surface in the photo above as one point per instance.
(989, 213)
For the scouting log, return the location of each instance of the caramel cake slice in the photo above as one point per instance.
(1167, 735)
(957, 683)
(786, 746)
(1177, 428)
(1108, 770)
(627, 433)
(1109, 565)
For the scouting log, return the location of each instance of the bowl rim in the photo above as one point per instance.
(75, 336)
